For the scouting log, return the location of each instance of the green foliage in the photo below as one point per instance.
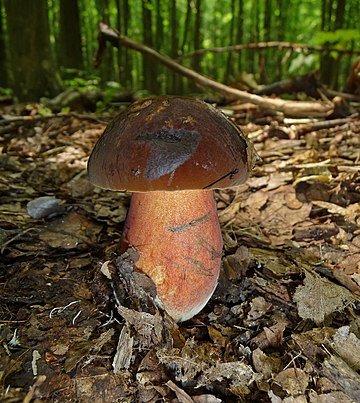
(252, 21)
(340, 37)
(82, 84)
(43, 110)
(6, 91)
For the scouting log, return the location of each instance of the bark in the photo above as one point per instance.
(186, 27)
(240, 31)
(266, 56)
(33, 68)
(229, 62)
(127, 56)
(70, 53)
(120, 53)
(197, 35)
(107, 68)
(307, 84)
(3, 65)
(173, 78)
(288, 108)
(149, 69)
(281, 28)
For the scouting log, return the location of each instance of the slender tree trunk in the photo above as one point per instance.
(265, 56)
(240, 32)
(149, 69)
(173, 78)
(197, 35)
(254, 36)
(281, 28)
(107, 72)
(186, 27)
(3, 57)
(128, 59)
(229, 63)
(159, 34)
(338, 24)
(331, 20)
(120, 50)
(159, 44)
(69, 51)
(34, 71)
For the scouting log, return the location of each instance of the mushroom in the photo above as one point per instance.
(172, 152)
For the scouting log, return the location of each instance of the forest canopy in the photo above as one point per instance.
(46, 46)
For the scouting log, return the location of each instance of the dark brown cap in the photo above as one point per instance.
(170, 143)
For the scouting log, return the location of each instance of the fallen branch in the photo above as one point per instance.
(288, 108)
(268, 45)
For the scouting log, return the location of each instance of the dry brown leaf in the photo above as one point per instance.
(192, 365)
(188, 365)
(147, 327)
(277, 214)
(349, 213)
(264, 364)
(124, 351)
(318, 298)
(206, 399)
(332, 397)
(343, 377)
(239, 373)
(259, 307)
(72, 231)
(292, 380)
(270, 337)
(347, 345)
(181, 395)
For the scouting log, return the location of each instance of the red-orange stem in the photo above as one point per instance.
(178, 238)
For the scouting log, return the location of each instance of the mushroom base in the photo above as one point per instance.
(178, 238)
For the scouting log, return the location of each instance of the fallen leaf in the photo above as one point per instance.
(318, 298)
(347, 345)
(294, 381)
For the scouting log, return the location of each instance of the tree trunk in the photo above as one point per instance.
(173, 78)
(107, 71)
(281, 28)
(326, 59)
(69, 52)
(266, 56)
(254, 37)
(229, 62)
(3, 65)
(186, 27)
(338, 24)
(33, 68)
(240, 33)
(197, 35)
(127, 55)
(149, 69)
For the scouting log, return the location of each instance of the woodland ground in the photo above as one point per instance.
(282, 326)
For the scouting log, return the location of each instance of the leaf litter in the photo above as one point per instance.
(78, 323)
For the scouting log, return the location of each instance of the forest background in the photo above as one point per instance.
(49, 45)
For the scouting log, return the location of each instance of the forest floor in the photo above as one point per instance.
(282, 326)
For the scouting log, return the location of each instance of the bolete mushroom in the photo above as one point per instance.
(171, 152)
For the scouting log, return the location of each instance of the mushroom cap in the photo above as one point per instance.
(170, 143)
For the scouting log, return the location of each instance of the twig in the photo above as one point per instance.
(268, 45)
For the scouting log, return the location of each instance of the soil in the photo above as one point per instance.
(78, 324)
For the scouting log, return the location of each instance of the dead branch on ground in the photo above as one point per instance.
(288, 108)
(268, 45)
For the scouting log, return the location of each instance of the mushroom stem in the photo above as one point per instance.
(178, 238)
